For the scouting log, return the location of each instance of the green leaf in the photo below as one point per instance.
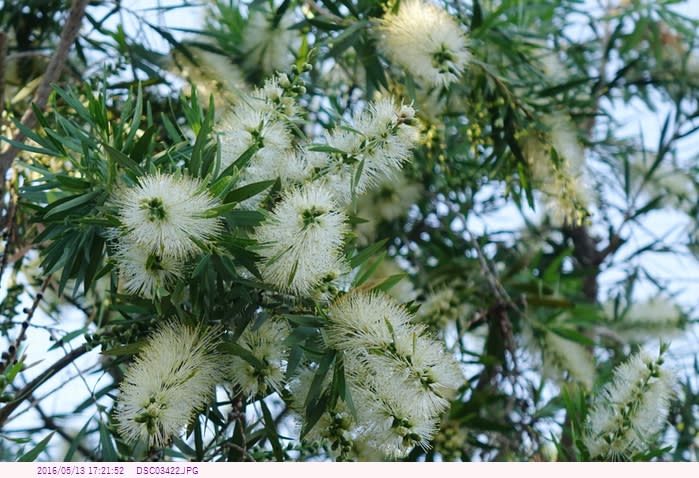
(68, 337)
(553, 271)
(325, 148)
(365, 254)
(49, 143)
(198, 440)
(316, 401)
(109, 453)
(29, 147)
(144, 142)
(367, 269)
(390, 281)
(324, 23)
(198, 164)
(248, 191)
(477, 16)
(52, 143)
(183, 447)
(71, 183)
(129, 349)
(75, 442)
(306, 320)
(89, 401)
(572, 335)
(272, 434)
(66, 204)
(34, 453)
(135, 118)
(241, 162)
(654, 203)
(338, 44)
(220, 210)
(245, 354)
(122, 160)
(74, 102)
(244, 218)
(554, 90)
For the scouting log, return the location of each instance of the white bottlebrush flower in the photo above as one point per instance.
(388, 421)
(390, 200)
(563, 182)
(373, 149)
(172, 377)
(388, 138)
(399, 379)
(339, 177)
(143, 273)
(426, 41)
(565, 356)
(427, 374)
(212, 74)
(288, 166)
(369, 321)
(251, 125)
(340, 172)
(409, 376)
(266, 46)
(631, 410)
(261, 120)
(565, 140)
(301, 241)
(166, 215)
(554, 69)
(566, 186)
(266, 344)
(443, 307)
(257, 123)
(336, 426)
(275, 96)
(656, 318)
(559, 357)
(672, 183)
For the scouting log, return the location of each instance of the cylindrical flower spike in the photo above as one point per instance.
(166, 215)
(268, 44)
(631, 410)
(266, 344)
(144, 273)
(402, 378)
(426, 41)
(301, 242)
(372, 151)
(173, 376)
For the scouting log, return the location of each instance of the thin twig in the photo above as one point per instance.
(9, 357)
(50, 423)
(26, 392)
(3, 69)
(29, 54)
(53, 73)
(239, 449)
(500, 293)
(8, 233)
(51, 392)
